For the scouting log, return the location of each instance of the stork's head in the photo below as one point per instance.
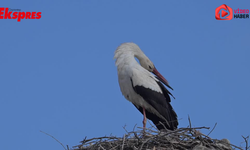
(147, 64)
(130, 50)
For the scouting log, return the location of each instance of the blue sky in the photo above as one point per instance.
(58, 74)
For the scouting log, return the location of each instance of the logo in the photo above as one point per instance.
(241, 13)
(223, 12)
(6, 13)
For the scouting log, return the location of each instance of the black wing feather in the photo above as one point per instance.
(161, 102)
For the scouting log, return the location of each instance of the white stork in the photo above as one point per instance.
(142, 88)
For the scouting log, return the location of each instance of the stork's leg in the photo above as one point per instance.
(144, 119)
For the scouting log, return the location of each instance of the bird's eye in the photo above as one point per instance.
(149, 67)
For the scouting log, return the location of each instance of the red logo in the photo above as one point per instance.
(223, 12)
(6, 13)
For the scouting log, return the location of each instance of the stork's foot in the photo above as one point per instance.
(144, 122)
(144, 127)
(144, 119)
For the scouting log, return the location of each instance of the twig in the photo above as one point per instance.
(152, 125)
(246, 141)
(123, 142)
(54, 139)
(134, 127)
(102, 147)
(212, 129)
(124, 127)
(83, 141)
(99, 138)
(163, 125)
(236, 146)
(190, 126)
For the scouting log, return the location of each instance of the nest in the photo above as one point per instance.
(150, 139)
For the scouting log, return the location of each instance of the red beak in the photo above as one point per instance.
(161, 78)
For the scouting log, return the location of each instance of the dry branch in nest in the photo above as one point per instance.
(180, 139)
